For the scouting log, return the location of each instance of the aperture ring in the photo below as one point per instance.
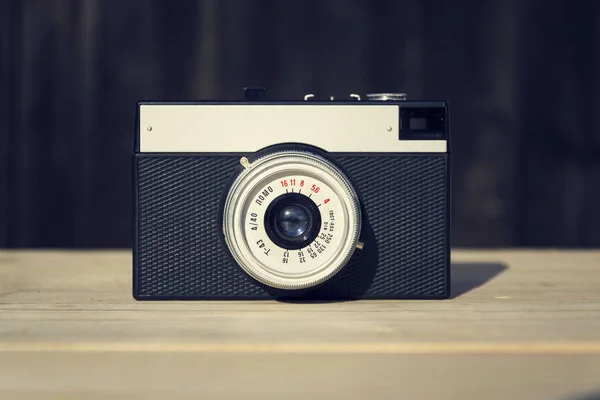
(313, 180)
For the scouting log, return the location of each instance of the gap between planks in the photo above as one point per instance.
(515, 348)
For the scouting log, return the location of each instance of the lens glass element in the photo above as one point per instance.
(293, 221)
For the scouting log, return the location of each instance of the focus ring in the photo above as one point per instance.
(277, 175)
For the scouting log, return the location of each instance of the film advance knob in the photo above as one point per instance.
(386, 96)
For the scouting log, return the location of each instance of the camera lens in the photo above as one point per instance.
(293, 221)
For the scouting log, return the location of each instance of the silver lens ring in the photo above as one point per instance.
(263, 247)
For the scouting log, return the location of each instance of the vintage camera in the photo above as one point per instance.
(315, 199)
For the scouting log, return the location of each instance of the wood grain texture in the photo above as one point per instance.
(561, 153)
(73, 376)
(5, 120)
(521, 324)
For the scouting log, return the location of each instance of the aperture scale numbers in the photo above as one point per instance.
(293, 183)
(325, 237)
(286, 256)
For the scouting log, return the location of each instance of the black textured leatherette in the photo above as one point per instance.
(180, 253)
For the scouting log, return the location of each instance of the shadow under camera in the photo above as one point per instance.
(465, 278)
(469, 276)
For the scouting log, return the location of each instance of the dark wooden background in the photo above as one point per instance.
(522, 78)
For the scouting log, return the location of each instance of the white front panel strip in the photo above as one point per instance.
(248, 128)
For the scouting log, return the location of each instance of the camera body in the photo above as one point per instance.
(310, 200)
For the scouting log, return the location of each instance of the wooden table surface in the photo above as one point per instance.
(520, 325)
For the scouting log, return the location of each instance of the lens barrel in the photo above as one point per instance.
(291, 219)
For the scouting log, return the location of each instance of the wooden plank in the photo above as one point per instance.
(127, 68)
(342, 34)
(41, 165)
(5, 114)
(593, 176)
(561, 150)
(244, 55)
(499, 296)
(176, 22)
(521, 324)
(19, 226)
(74, 376)
(87, 32)
(205, 59)
(471, 61)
